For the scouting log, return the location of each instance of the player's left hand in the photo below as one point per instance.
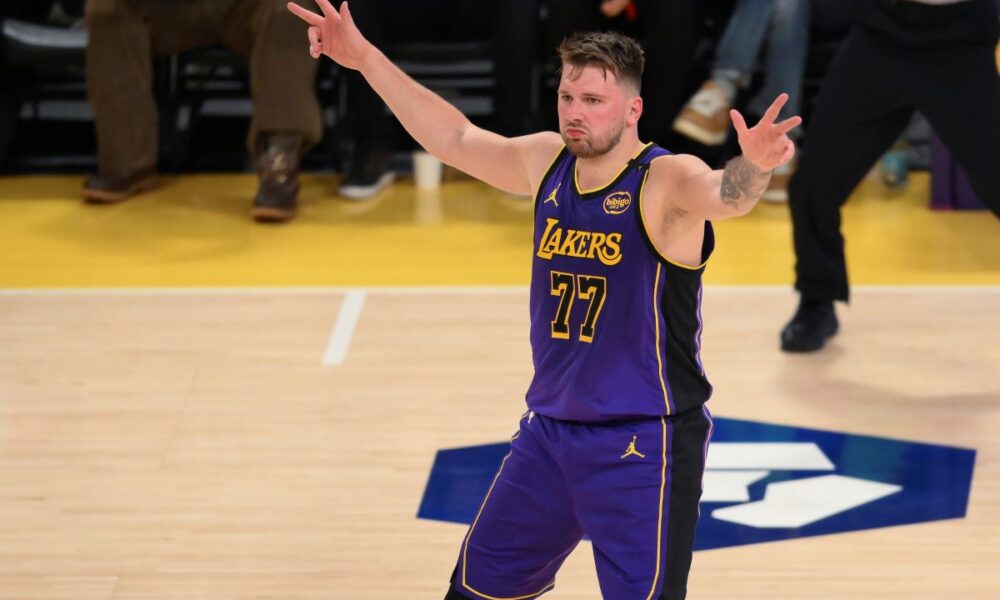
(766, 145)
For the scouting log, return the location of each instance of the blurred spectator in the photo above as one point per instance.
(369, 166)
(125, 34)
(517, 53)
(935, 56)
(776, 29)
(667, 31)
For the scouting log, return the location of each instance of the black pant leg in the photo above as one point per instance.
(959, 92)
(667, 34)
(367, 112)
(861, 110)
(566, 17)
(515, 45)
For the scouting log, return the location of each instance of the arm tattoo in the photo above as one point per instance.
(742, 183)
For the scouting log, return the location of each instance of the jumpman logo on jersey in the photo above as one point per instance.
(632, 451)
(552, 196)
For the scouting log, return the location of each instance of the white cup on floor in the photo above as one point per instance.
(427, 170)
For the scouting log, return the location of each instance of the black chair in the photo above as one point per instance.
(198, 86)
(203, 89)
(463, 72)
(42, 68)
(44, 97)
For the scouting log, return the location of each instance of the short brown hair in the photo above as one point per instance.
(611, 51)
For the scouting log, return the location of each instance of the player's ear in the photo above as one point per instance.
(634, 110)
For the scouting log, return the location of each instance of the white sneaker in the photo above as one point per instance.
(705, 117)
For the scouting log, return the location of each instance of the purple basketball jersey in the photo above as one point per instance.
(615, 327)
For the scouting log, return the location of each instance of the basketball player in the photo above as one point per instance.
(613, 444)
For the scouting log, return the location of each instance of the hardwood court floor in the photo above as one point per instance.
(191, 444)
(171, 445)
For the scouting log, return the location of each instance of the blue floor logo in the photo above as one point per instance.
(768, 482)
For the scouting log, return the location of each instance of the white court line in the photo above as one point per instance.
(343, 329)
(432, 290)
(350, 311)
(263, 291)
(892, 289)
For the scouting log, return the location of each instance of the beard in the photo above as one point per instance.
(594, 146)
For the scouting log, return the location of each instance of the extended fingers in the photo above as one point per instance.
(738, 122)
(774, 109)
(788, 124)
(326, 7)
(306, 15)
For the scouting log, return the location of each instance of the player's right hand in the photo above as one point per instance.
(333, 34)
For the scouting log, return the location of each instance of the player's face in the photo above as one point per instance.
(594, 110)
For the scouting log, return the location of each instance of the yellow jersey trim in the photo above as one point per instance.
(659, 518)
(656, 324)
(468, 536)
(642, 217)
(576, 177)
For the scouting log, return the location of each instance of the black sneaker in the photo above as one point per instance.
(370, 173)
(813, 324)
(277, 198)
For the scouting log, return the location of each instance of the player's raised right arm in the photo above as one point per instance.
(511, 164)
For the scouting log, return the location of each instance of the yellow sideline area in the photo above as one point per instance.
(196, 232)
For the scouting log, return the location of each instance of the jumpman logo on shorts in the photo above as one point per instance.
(552, 196)
(632, 451)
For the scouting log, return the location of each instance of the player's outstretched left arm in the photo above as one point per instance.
(733, 191)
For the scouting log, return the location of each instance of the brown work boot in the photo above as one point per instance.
(277, 198)
(111, 188)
